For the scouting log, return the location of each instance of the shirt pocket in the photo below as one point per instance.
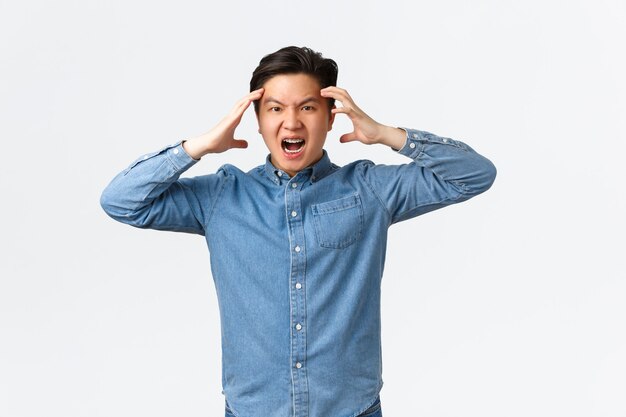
(338, 223)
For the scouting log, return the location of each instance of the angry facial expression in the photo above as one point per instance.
(294, 120)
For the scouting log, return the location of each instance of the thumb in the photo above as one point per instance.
(239, 143)
(348, 137)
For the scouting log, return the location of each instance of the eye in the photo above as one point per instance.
(274, 109)
(307, 108)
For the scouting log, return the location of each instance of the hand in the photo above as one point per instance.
(366, 129)
(222, 137)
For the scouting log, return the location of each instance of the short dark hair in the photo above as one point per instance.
(295, 60)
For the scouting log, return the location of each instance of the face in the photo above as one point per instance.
(294, 120)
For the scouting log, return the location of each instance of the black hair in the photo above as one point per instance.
(295, 60)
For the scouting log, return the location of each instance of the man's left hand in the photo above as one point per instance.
(366, 130)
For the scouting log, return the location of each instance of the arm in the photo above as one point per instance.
(443, 171)
(149, 193)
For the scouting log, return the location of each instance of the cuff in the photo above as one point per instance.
(414, 143)
(174, 152)
(179, 157)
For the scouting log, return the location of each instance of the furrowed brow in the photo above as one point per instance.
(272, 100)
(309, 100)
(306, 100)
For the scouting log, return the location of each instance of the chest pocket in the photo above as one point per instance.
(338, 223)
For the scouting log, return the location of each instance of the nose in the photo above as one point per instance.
(292, 119)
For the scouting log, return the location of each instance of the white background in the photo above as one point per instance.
(512, 304)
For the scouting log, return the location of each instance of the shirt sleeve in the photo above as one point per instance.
(149, 193)
(444, 171)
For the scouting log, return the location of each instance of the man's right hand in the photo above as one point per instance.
(222, 137)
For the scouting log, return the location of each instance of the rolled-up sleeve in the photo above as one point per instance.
(444, 171)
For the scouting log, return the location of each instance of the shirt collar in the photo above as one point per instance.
(317, 171)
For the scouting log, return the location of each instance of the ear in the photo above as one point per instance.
(331, 119)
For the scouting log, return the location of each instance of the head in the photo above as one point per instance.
(293, 117)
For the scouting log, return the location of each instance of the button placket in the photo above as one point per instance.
(295, 224)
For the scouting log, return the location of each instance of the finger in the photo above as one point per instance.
(239, 107)
(346, 101)
(348, 111)
(239, 143)
(344, 109)
(336, 93)
(256, 94)
(253, 95)
(348, 137)
(242, 105)
(340, 97)
(335, 90)
(236, 115)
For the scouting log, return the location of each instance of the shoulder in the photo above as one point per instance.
(229, 173)
(356, 167)
(352, 171)
(234, 174)
(351, 166)
(223, 174)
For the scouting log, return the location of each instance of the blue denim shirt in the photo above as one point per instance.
(297, 262)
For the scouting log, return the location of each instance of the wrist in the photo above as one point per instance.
(199, 146)
(394, 137)
(194, 148)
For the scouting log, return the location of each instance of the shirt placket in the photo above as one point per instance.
(297, 290)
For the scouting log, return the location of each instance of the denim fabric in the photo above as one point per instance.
(375, 410)
(297, 262)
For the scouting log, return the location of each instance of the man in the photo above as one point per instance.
(298, 244)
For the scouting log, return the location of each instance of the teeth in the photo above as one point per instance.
(295, 151)
(299, 141)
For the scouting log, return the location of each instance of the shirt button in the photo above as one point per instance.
(294, 214)
(298, 365)
(298, 326)
(445, 140)
(175, 151)
(414, 135)
(297, 248)
(412, 145)
(298, 285)
(294, 185)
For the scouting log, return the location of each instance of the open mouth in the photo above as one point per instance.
(292, 146)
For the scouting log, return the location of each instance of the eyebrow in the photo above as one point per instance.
(306, 100)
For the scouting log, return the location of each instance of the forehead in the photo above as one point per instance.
(291, 87)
